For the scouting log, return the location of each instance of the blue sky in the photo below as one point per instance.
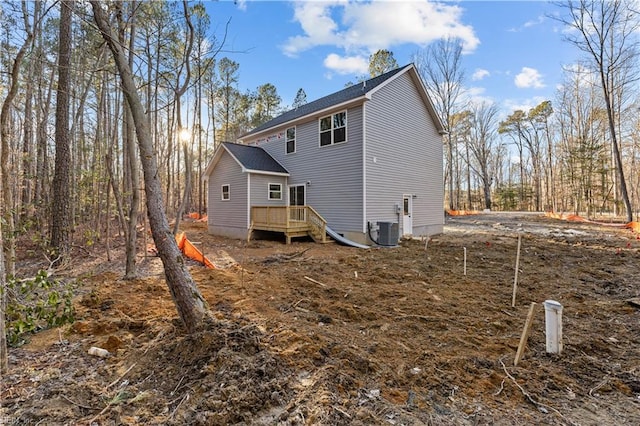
(514, 52)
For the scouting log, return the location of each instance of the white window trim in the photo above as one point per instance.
(228, 192)
(295, 138)
(269, 191)
(346, 119)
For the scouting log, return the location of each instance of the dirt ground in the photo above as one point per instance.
(332, 335)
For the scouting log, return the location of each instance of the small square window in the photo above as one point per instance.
(226, 193)
(275, 191)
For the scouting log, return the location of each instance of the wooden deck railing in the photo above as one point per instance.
(294, 221)
(317, 224)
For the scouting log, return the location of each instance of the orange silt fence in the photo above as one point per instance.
(191, 251)
(554, 215)
(462, 212)
(197, 217)
(576, 218)
(634, 226)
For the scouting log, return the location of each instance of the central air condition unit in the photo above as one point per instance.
(387, 233)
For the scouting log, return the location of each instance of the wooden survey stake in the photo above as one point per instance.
(515, 278)
(525, 333)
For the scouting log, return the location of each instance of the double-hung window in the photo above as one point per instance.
(333, 129)
(226, 193)
(275, 191)
(290, 134)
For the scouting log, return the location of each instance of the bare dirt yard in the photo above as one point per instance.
(332, 335)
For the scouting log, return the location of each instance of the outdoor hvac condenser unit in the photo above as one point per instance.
(387, 233)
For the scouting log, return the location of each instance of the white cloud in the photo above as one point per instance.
(365, 27)
(511, 105)
(531, 23)
(529, 77)
(476, 96)
(317, 24)
(539, 20)
(479, 74)
(347, 64)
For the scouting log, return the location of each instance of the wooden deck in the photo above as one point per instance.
(293, 221)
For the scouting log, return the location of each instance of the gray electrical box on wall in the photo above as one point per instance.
(387, 233)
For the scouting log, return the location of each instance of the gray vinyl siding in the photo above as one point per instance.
(231, 214)
(406, 146)
(334, 172)
(259, 194)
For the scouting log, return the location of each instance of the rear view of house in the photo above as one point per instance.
(365, 162)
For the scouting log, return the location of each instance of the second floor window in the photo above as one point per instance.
(291, 140)
(333, 129)
(226, 193)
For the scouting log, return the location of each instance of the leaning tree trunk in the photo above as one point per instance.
(185, 293)
(616, 152)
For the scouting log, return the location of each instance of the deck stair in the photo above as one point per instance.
(293, 221)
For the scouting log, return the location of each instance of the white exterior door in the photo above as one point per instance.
(407, 213)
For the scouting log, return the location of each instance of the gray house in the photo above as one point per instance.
(364, 163)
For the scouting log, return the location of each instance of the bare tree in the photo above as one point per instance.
(6, 193)
(582, 124)
(515, 126)
(5, 133)
(180, 89)
(482, 144)
(61, 220)
(131, 159)
(186, 296)
(460, 133)
(607, 34)
(440, 67)
(4, 355)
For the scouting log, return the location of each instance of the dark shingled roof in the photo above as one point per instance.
(254, 158)
(336, 98)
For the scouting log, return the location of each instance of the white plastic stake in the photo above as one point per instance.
(553, 326)
(465, 261)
